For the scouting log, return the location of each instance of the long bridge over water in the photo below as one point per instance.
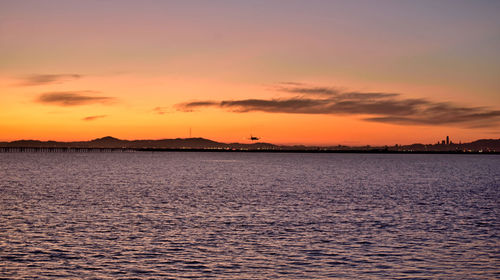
(62, 149)
(219, 149)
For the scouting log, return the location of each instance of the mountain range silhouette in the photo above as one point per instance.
(491, 145)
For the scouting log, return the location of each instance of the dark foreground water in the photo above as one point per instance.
(249, 216)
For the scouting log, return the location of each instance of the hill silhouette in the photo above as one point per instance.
(482, 145)
(112, 142)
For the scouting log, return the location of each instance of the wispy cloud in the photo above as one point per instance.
(91, 118)
(161, 110)
(384, 107)
(304, 89)
(73, 98)
(43, 79)
(193, 105)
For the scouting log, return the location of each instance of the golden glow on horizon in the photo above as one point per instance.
(154, 116)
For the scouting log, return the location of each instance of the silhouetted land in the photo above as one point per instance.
(200, 144)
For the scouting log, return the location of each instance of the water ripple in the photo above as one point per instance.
(248, 216)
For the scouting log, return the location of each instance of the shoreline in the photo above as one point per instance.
(232, 150)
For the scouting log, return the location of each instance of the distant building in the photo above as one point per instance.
(447, 140)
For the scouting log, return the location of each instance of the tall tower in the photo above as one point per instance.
(447, 140)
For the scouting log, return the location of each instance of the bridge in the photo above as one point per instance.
(62, 149)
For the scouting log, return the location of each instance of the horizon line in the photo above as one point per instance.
(440, 142)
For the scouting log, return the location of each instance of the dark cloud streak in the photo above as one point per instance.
(310, 90)
(73, 98)
(91, 118)
(191, 106)
(385, 107)
(43, 79)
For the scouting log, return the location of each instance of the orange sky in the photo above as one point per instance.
(291, 72)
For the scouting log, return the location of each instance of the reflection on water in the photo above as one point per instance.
(249, 216)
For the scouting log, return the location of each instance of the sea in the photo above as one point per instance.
(236, 215)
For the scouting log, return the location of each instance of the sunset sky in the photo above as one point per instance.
(291, 72)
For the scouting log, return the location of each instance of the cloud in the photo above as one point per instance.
(291, 105)
(291, 83)
(331, 92)
(73, 98)
(91, 118)
(301, 88)
(161, 110)
(384, 107)
(43, 79)
(191, 106)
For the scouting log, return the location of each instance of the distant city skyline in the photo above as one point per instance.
(289, 72)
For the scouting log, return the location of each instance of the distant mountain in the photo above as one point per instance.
(107, 139)
(111, 142)
(485, 145)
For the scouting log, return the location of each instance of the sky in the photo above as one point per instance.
(291, 72)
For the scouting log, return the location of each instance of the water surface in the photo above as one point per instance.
(249, 216)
